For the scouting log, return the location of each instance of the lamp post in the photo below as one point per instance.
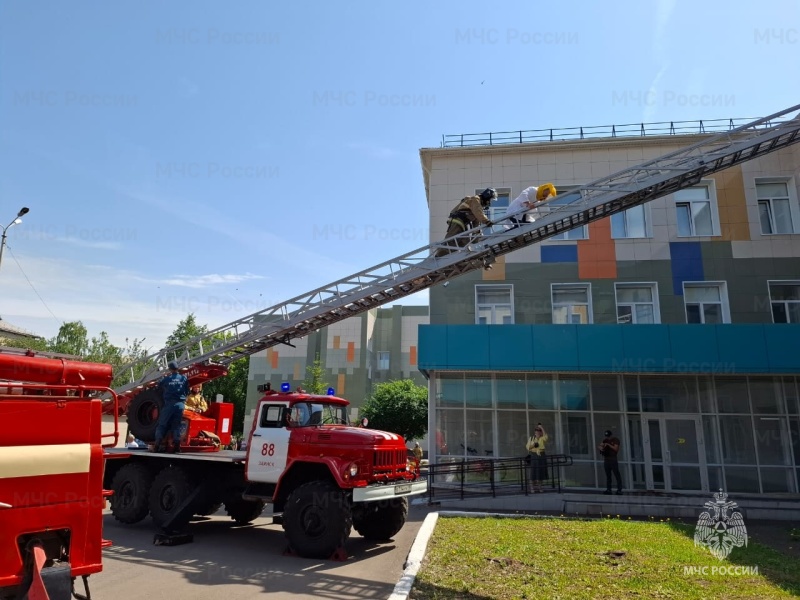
(22, 211)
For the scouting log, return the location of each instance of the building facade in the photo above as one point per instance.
(675, 324)
(355, 354)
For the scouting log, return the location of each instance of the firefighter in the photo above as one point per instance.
(468, 214)
(174, 389)
(195, 400)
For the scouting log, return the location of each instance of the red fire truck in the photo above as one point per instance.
(322, 476)
(51, 473)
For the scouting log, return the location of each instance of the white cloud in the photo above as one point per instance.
(202, 281)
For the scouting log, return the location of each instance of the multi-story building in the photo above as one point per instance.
(674, 324)
(355, 354)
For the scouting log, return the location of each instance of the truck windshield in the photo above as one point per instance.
(306, 414)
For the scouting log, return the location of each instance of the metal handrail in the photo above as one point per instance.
(698, 127)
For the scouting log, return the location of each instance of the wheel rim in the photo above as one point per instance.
(167, 499)
(126, 494)
(147, 413)
(313, 521)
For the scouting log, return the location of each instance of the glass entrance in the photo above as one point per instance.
(674, 454)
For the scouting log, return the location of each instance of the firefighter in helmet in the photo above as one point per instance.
(468, 214)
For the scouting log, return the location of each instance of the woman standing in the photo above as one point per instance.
(536, 447)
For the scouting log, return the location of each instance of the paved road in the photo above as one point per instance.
(230, 562)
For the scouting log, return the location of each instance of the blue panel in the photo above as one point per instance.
(510, 347)
(555, 347)
(560, 254)
(742, 349)
(687, 264)
(432, 346)
(468, 346)
(694, 348)
(644, 348)
(598, 346)
(783, 347)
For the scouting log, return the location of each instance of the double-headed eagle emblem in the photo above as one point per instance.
(721, 528)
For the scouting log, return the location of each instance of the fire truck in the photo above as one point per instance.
(321, 476)
(51, 473)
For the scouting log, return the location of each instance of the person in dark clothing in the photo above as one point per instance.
(174, 388)
(468, 214)
(609, 448)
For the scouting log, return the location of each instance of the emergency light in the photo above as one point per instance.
(331, 391)
(286, 386)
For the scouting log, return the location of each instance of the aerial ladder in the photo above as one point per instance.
(474, 249)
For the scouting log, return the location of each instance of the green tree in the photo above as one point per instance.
(314, 383)
(185, 330)
(233, 389)
(35, 344)
(72, 338)
(399, 406)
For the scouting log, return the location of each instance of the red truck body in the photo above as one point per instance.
(51, 472)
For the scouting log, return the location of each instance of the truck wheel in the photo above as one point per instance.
(317, 519)
(244, 511)
(171, 488)
(143, 414)
(131, 486)
(380, 520)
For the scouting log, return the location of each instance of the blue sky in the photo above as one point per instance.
(219, 158)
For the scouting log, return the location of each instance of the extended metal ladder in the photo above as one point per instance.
(421, 269)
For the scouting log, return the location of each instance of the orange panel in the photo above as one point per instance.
(351, 351)
(340, 385)
(412, 356)
(606, 269)
(274, 361)
(337, 342)
(587, 270)
(296, 374)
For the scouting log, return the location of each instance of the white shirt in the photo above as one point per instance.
(526, 199)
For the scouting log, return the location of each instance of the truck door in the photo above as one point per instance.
(269, 446)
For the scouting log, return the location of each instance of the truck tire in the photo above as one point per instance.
(170, 489)
(244, 511)
(317, 519)
(131, 487)
(143, 414)
(380, 520)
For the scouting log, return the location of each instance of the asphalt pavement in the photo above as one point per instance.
(231, 562)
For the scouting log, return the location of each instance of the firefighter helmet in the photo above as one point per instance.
(487, 196)
(543, 190)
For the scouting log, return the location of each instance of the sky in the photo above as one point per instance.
(219, 158)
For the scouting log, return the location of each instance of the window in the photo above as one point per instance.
(696, 211)
(383, 361)
(494, 305)
(499, 207)
(637, 303)
(774, 207)
(631, 223)
(706, 302)
(571, 303)
(562, 199)
(785, 300)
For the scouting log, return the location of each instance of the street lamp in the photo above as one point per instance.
(22, 211)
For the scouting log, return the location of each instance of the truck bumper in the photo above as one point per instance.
(387, 492)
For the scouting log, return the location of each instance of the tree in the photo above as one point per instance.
(72, 338)
(399, 406)
(233, 389)
(185, 330)
(314, 382)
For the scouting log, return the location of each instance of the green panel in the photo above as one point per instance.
(598, 346)
(468, 346)
(783, 347)
(555, 347)
(694, 348)
(511, 347)
(645, 347)
(742, 348)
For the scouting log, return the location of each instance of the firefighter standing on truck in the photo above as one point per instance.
(174, 388)
(467, 214)
(195, 400)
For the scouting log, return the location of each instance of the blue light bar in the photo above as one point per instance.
(286, 386)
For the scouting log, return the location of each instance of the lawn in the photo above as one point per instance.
(543, 558)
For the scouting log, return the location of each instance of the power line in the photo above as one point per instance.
(35, 291)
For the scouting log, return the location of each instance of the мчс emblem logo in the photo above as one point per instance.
(721, 527)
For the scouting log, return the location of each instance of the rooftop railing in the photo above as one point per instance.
(597, 131)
